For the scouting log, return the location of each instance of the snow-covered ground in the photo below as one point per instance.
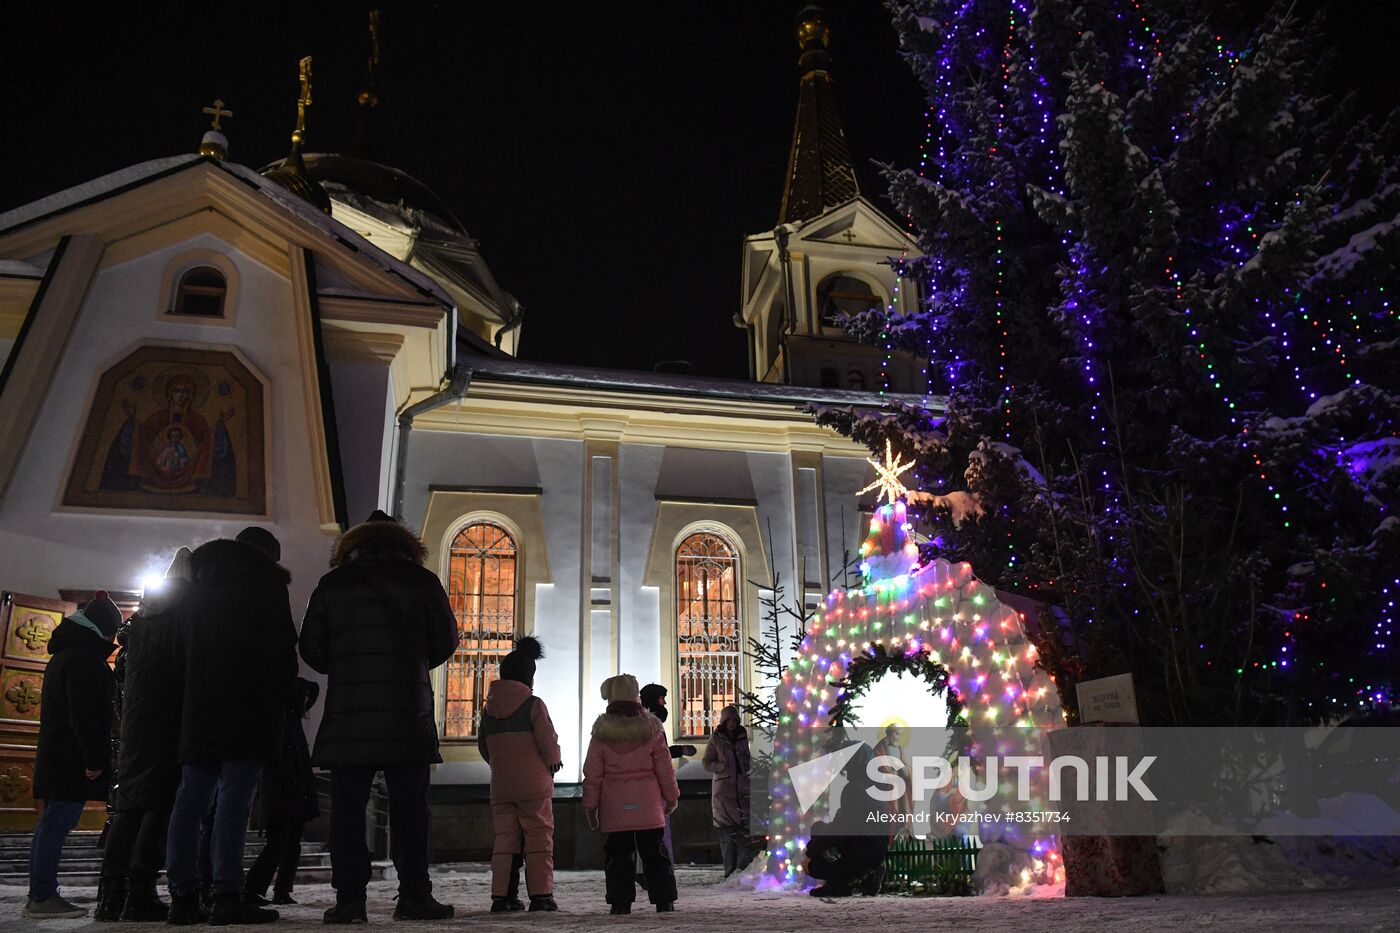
(706, 907)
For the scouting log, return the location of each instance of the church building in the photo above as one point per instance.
(191, 345)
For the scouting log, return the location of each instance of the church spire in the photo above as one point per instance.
(820, 174)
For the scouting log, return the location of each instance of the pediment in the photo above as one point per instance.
(856, 224)
(174, 203)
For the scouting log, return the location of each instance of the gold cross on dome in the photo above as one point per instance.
(887, 476)
(303, 100)
(218, 112)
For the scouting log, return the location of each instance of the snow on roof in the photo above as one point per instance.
(516, 370)
(136, 175)
(19, 269)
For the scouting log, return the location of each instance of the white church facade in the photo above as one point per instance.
(191, 346)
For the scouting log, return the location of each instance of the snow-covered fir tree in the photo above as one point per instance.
(1158, 295)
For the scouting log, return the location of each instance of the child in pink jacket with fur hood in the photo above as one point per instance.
(518, 741)
(629, 788)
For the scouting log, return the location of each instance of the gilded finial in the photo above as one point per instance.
(303, 101)
(290, 173)
(812, 29)
(215, 143)
(369, 97)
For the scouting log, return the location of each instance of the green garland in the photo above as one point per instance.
(875, 663)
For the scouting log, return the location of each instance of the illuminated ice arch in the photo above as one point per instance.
(939, 609)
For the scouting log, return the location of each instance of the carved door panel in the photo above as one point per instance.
(26, 623)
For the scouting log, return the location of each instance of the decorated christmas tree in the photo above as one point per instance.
(1157, 286)
(933, 620)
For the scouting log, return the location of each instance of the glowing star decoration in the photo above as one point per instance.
(887, 476)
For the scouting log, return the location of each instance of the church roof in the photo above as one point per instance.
(512, 369)
(145, 172)
(820, 172)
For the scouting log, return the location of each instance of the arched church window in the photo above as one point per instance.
(201, 293)
(855, 379)
(482, 587)
(828, 377)
(839, 294)
(709, 631)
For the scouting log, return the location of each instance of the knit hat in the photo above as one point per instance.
(379, 515)
(519, 665)
(621, 689)
(262, 539)
(103, 613)
(652, 694)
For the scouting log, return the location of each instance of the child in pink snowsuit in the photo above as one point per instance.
(518, 741)
(629, 787)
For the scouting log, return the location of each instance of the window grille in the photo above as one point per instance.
(709, 630)
(482, 573)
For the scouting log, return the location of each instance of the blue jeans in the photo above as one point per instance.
(57, 821)
(234, 783)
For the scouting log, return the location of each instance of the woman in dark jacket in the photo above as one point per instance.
(150, 687)
(376, 625)
(286, 802)
(73, 761)
(727, 759)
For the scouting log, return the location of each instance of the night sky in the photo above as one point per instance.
(609, 156)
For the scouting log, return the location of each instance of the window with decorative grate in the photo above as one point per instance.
(709, 632)
(482, 580)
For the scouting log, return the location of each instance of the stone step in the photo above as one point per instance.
(307, 874)
(9, 866)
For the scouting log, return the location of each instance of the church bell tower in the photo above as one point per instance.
(829, 254)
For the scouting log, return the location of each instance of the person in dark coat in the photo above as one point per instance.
(286, 802)
(654, 702)
(848, 852)
(150, 685)
(239, 658)
(376, 625)
(73, 761)
(728, 761)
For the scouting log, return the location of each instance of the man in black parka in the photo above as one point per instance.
(151, 683)
(239, 658)
(73, 760)
(376, 625)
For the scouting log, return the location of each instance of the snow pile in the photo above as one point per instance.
(1281, 858)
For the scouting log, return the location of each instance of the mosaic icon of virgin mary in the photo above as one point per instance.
(174, 449)
(173, 429)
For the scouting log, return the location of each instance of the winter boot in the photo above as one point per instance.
(840, 888)
(111, 898)
(185, 910)
(620, 909)
(873, 881)
(542, 902)
(231, 910)
(346, 912)
(143, 905)
(422, 908)
(665, 907)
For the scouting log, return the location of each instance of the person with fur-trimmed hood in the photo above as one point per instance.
(376, 626)
(518, 741)
(629, 788)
